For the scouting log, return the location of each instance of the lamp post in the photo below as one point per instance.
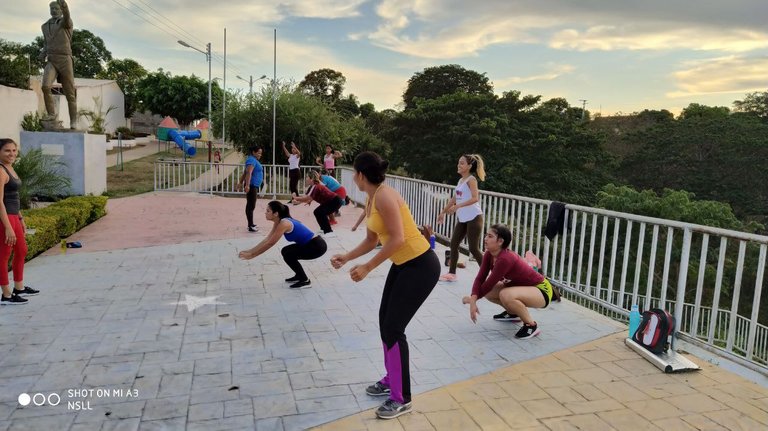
(207, 53)
(274, 114)
(250, 81)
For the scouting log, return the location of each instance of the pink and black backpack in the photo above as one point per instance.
(655, 328)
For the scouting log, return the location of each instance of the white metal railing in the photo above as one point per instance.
(614, 260)
(219, 178)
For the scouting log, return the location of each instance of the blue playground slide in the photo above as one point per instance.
(180, 136)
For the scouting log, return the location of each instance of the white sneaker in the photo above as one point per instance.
(330, 235)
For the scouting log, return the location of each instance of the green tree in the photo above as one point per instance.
(304, 119)
(347, 107)
(530, 149)
(695, 110)
(89, 53)
(325, 84)
(755, 103)
(437, 81)
(718, 157)
(14, 65)
(127, 73)
(182, 97)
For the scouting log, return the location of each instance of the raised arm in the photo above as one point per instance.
(67, 17)
(285, 150)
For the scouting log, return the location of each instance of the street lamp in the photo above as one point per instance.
(207, 53)
(250, 81)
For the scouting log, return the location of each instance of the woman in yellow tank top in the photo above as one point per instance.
(411, 278)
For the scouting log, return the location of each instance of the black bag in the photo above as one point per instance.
(655, 328)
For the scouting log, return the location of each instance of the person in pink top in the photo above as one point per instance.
(508, 280)
(329, 160)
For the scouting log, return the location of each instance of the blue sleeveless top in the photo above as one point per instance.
(300, 233)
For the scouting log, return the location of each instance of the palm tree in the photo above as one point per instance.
(40, 176)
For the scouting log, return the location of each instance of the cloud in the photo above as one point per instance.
(447, 29)
(732, 74)
(555, 71)
(654, 37)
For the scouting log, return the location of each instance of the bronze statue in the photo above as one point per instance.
(57, 33)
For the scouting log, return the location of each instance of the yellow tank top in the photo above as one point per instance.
(415, 244)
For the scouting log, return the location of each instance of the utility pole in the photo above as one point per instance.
(583, 108)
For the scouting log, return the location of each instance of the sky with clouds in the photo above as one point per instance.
(619, 55)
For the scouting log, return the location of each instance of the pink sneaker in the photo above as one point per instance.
(450, 278)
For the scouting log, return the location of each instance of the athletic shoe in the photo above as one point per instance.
(13, 300)
(507, 317)
(377, 389)
(333, 222)
(330, 235)
(392, 409)
(293, 279)
(253, 229)
(450, 278)
(301, 284)
(28, 291)
(528, 331)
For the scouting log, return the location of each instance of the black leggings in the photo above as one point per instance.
(250, 204)
(292, 253)
(293, 177)
(324, 210)
(474, 228)
(407, 287)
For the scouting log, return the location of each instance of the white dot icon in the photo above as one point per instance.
(24, 399)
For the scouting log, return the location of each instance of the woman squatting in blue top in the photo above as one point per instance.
(306, 245)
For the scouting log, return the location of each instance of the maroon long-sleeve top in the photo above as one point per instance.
(509, 268)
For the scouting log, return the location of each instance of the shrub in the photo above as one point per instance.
(32, 122)
(61, 220)
(127, 133)
(40, 176)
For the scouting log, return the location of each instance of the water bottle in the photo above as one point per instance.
(432, 242)
(634, 320)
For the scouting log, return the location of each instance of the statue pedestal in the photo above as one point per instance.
(84, 155)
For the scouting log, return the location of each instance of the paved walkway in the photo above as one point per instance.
(157, 309)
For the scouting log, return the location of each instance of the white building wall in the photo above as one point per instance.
(14, 103)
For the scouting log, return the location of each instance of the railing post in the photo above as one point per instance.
(682, 278)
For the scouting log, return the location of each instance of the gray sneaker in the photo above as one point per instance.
(377, 390)
(392, 409)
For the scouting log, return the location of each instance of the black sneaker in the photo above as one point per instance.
(392, 409)
(528, 331)
(293, 279)
(507, 317)
(377, 389)
(301, 284)
(253, 229)
(13, 300)
(28, 291)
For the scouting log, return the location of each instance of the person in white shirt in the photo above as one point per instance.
(465, 203)
(294, 172)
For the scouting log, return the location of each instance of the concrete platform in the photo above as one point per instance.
(157, 309)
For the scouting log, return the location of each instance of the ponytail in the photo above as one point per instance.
(476, 165)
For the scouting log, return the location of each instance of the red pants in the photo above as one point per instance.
(19, 252)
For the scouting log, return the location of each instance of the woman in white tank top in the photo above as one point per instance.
(466, 204)
(329, 160)
(294, 172)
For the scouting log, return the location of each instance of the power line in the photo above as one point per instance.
(176, 36)
(172, 22)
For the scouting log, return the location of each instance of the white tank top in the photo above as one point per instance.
(330, 161)
(293, 161)
(463, 194)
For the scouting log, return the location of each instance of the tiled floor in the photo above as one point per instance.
(157, 309)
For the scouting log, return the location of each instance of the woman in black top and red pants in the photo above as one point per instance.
(12, 233)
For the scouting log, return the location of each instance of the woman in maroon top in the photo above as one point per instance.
(506, 279)
(329, 202)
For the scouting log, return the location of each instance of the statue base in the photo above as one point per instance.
(84, 154)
